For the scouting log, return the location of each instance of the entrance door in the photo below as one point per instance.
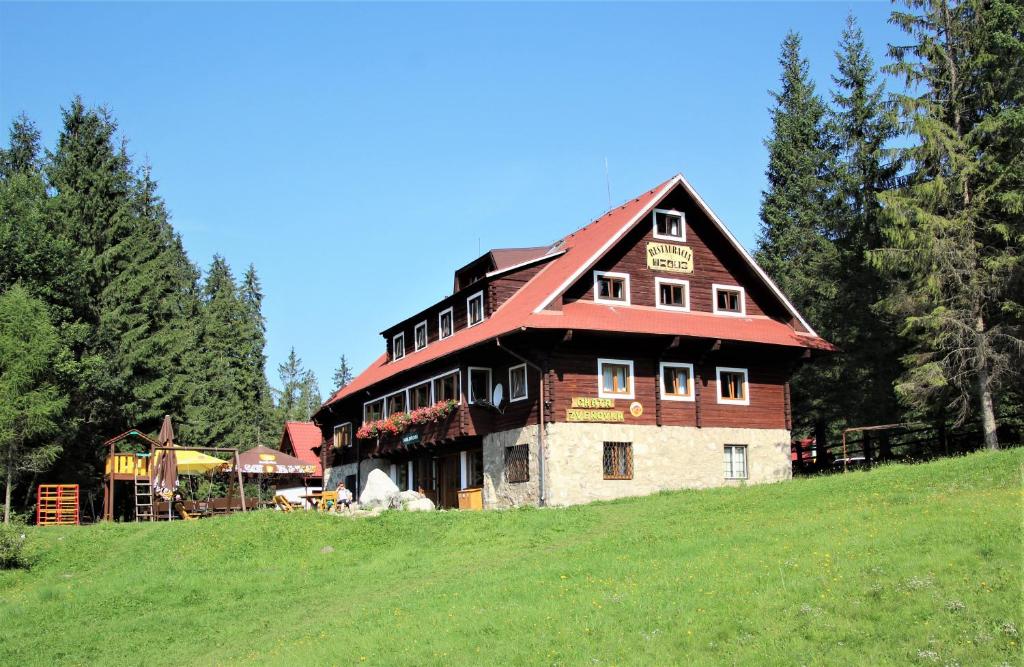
(449, 480)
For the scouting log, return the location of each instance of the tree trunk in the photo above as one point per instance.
(988, 413)
(10, 483)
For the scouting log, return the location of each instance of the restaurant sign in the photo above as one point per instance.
(586, 409)
(669, 257)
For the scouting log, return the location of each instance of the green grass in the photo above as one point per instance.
(901, 565)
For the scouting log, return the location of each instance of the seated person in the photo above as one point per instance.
(344, 495)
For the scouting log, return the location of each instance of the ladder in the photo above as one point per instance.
(143, 494)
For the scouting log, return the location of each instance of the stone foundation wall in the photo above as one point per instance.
(664, 457)
(499, 493)
(338, 474)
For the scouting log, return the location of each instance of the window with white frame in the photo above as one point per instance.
(669, 225)
(446, 387)
(676, 381)
(420, 335)
(479, 384)
(343, 435)
(611, 287)
(733, 387)
(419, 396)
(517, 390)
(373, 410)
(395, 403)
(615, 378)
(398, 346)
(444, 324)
(475, 309)
(728, 300)
(735, 461)
(672, 294)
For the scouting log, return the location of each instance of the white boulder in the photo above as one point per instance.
(423, 504)
(409, 496)
(380, 491)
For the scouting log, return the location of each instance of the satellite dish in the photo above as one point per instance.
(499, 393)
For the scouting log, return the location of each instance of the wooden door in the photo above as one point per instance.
(449, 480)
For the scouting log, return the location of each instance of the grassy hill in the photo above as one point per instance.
(901, 565)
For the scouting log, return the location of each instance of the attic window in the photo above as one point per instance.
(444, 324)
(672, 294)
(729, 300)
(669, 225)
(420, 335)
(611, 287)
(398, 346)
(475, 309)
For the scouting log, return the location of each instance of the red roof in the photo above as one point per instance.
(526, 307)
(304, 436)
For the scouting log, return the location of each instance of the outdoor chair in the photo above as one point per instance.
(283, 504)
(328, 500)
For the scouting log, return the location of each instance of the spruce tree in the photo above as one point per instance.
(953, 231)
(794, 244)
(861, 125)
(342, 375)
(256, 395)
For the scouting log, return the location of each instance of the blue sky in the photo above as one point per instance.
(358, 154)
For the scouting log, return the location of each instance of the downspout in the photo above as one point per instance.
(540, 417)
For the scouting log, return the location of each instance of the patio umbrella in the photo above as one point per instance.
(166, 479)
(266, 461)
(166, 437)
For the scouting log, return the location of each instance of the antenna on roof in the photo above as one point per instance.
(608, 182)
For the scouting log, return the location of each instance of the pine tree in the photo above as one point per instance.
(31, 400)
(342, 375)
(309, 395)
(215, 411)
(256, 394)
(147, 311)
(795, 246)
(953, 231)
(299, 396)
(22, 153)
(861, 125)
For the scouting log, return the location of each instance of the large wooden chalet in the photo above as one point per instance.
(645, 351)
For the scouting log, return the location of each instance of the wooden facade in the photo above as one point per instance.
(541, 318)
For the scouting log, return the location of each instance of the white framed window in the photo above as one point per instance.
(728, 300)
(343, 435)
(419, 335)
(420, 396)
(672, 294)
(615, 378)
(676, 381)
(733, 387)
(398, 346)
(395, 403)
(517, 389)
(446, 387)
(735, 461)
(611, 287)
(669, 224)
(479, 384)
(373, 410)
(475, 309)
(445, 323)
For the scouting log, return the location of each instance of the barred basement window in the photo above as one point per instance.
(735, 461)
(618, 460)
(517, 463)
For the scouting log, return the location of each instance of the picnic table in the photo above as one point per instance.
(313, 499)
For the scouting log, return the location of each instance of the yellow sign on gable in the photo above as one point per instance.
(669, 257)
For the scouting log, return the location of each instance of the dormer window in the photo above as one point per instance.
(728, 300)
(475, 309)
(444, 324)
(398, 346)
(669, 225)
(611, 287)
(420, 335)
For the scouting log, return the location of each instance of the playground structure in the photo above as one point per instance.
(57, 505)
(139, 470)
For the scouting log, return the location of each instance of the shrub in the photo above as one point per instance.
(12, 546)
